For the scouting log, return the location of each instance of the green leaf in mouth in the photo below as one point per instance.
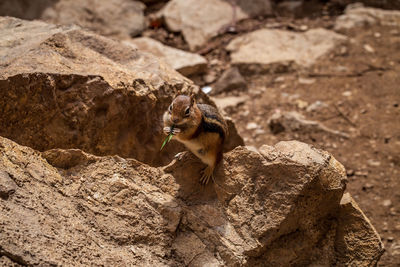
(169, 137)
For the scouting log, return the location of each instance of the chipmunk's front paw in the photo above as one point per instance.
(207, 174)
(176, 131)
(167, 130)
(179, 156)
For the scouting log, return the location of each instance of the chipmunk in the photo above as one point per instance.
(200, 128)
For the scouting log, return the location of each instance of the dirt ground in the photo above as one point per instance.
(354, 90)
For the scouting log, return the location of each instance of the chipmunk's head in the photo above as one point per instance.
(181, 109)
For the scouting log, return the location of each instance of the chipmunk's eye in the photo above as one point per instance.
(187, 112)
(170, 109)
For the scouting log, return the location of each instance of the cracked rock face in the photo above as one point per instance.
(281, 206)
(62, 87)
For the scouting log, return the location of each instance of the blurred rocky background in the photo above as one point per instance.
(83, 85)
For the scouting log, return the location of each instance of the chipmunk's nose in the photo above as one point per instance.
(175, 120)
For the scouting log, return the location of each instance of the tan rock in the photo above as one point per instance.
(184, 62)
(280, 206)
(356, 15)
(191, 16)
(97, 214)
(265, 47)
(356, 233)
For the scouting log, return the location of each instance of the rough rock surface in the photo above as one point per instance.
(61, 87)
(280, 206)
(190, 16)
(356, 15)
(184, 62)
(265, 48)
(103, 17)
(372, 247)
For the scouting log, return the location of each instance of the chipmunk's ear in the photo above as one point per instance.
(176, 94)
(192, 99)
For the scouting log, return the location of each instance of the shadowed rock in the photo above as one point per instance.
(62, 87)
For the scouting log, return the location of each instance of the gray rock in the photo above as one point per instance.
(184, 62)
(266, 48)
(230, 80)
(356, 15)
(201, 20)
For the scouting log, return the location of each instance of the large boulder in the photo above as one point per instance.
(62, 87)
(117, 18)
(282, 206)
(191, 16)
(278, 50)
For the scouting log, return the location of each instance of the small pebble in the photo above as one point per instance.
(385, 226)
(369, 48)
(347, 93)
(206, 89)
(303, 27)
(393, 212)
(361, 173)
(374, 163)
(279, 79)
(316, 105)
(306, 81)
(301, 104)
(387, 203)
(367, 186)
(252, 126)
(259, 131)
(350, 172)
